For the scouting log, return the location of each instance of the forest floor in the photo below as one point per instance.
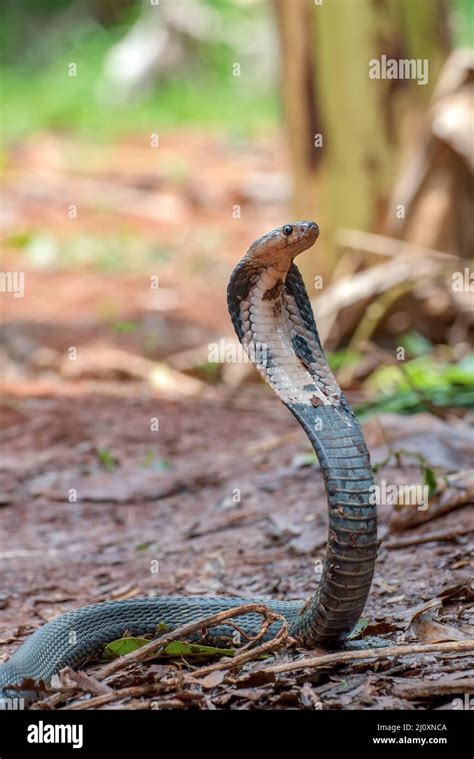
(225, 498)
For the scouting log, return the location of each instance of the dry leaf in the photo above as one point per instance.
(213, 679)
(429, 631)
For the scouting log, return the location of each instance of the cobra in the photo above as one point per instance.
(274, 322)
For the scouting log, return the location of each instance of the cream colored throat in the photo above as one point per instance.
(271, 320)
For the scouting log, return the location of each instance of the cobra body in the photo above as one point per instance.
(273, 319)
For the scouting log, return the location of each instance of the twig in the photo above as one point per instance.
(245, 655)
(237, 661)
(427, 537)
(387, 246)
(85, 682)
(456, 491)
(431, 688)
(114, 695)
(55, 698)
(180, 632)
(374, 653)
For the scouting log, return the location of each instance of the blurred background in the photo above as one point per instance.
(158, 139)
(145, 145)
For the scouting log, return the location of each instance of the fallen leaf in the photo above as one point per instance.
(429, 631)
(309, 698)
(212, 679)
(415, 612)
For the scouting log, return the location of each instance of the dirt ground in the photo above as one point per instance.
(169, 497)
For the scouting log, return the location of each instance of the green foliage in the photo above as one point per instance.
(120, 252)
(39, 94)
(124, 328)
(209, 372)
(430, 480)
(464, 23)
(415, 344)
(429, 475)
(107, 460)
(342, 358)
(146, 545)
(420, 385)
(359, 628)
(159, 465)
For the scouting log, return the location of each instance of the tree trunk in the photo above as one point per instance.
(345, 128)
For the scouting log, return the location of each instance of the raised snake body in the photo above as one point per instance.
(272, 317)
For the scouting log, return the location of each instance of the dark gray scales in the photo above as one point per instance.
(294, 286)
(302, 350)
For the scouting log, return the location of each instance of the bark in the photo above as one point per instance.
(326, 90)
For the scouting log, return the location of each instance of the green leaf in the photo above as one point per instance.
(177, 648)
(343, 357)
(18, 239)
(123, 646)
(359, 628)
(124, 327)
(106, 459)
(430, 480)
(416, 344)
(210, 372)
(420, 384)
(146, 545)
(159, 465)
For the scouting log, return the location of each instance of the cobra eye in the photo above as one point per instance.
(287, 230)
